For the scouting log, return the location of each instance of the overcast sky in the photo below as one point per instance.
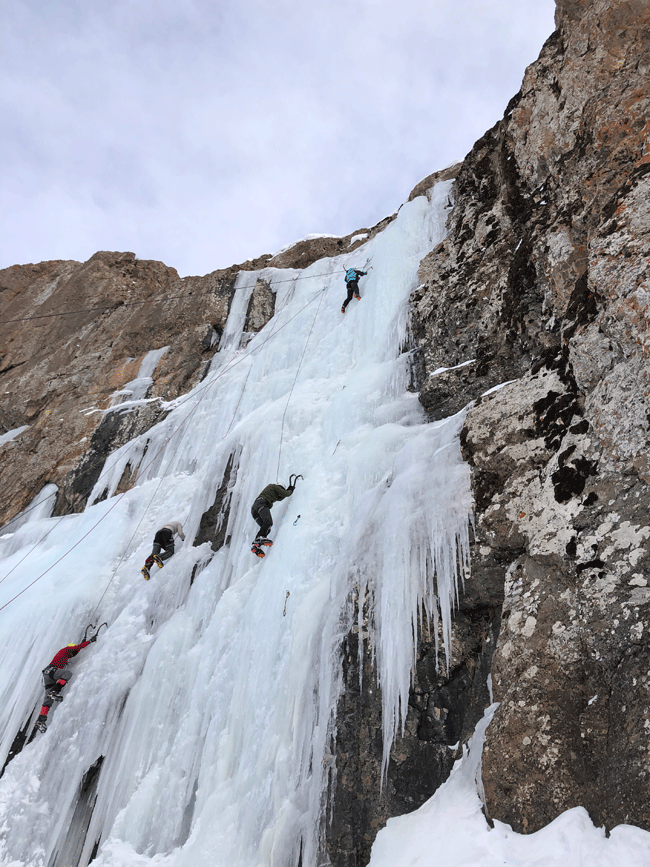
(206, 132)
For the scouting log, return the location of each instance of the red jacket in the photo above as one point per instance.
(62, 657)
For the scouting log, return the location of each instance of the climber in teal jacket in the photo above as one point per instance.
(352, 284)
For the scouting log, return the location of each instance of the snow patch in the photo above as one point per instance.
(356, 238)
(498, 387)
(12, 434)
(439, 370)
(450, 829)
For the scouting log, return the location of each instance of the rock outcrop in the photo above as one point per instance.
(544, 283)
(74, 335)
(536, 308)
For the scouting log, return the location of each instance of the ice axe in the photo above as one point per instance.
(91, 626)
(293, 479)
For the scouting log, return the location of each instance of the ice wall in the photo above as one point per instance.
(213, 711)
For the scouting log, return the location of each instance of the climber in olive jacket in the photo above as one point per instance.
(261, 509)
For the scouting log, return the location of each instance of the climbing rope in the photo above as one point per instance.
(204, 389)
(273, 333)
(180, 403)
(62, 518)
(162, 298)
(148, 506)
(277, 475)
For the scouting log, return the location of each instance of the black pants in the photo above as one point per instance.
(164, 539)
(261, 512)
(353, 289)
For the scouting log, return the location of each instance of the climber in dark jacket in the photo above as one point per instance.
(261, 511)
(163, 540)
(352, 282)
(55, 677)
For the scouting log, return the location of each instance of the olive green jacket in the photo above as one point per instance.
(273, 493)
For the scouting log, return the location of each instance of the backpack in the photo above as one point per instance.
(351, 275)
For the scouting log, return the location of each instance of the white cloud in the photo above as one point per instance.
(202, 134)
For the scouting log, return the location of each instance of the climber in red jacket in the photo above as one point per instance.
(55, 677)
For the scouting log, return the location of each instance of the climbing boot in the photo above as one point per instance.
(158, 561)
(41, 724)
(255, 549)
(266, 542)
(146, 573)
(358, 297)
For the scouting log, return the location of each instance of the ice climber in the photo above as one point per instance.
(163, 540)
(352, 282)
(55, 677)
(261, 511)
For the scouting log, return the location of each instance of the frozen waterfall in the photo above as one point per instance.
(196, 732)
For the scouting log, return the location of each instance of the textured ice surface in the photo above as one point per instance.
(212, 710)
(40, 507)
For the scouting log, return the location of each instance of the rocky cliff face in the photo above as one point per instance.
(58, 373)
(544, 281)
(541, 292)
(74, 339)
(536, 306)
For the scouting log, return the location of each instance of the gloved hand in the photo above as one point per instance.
(94, 638)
